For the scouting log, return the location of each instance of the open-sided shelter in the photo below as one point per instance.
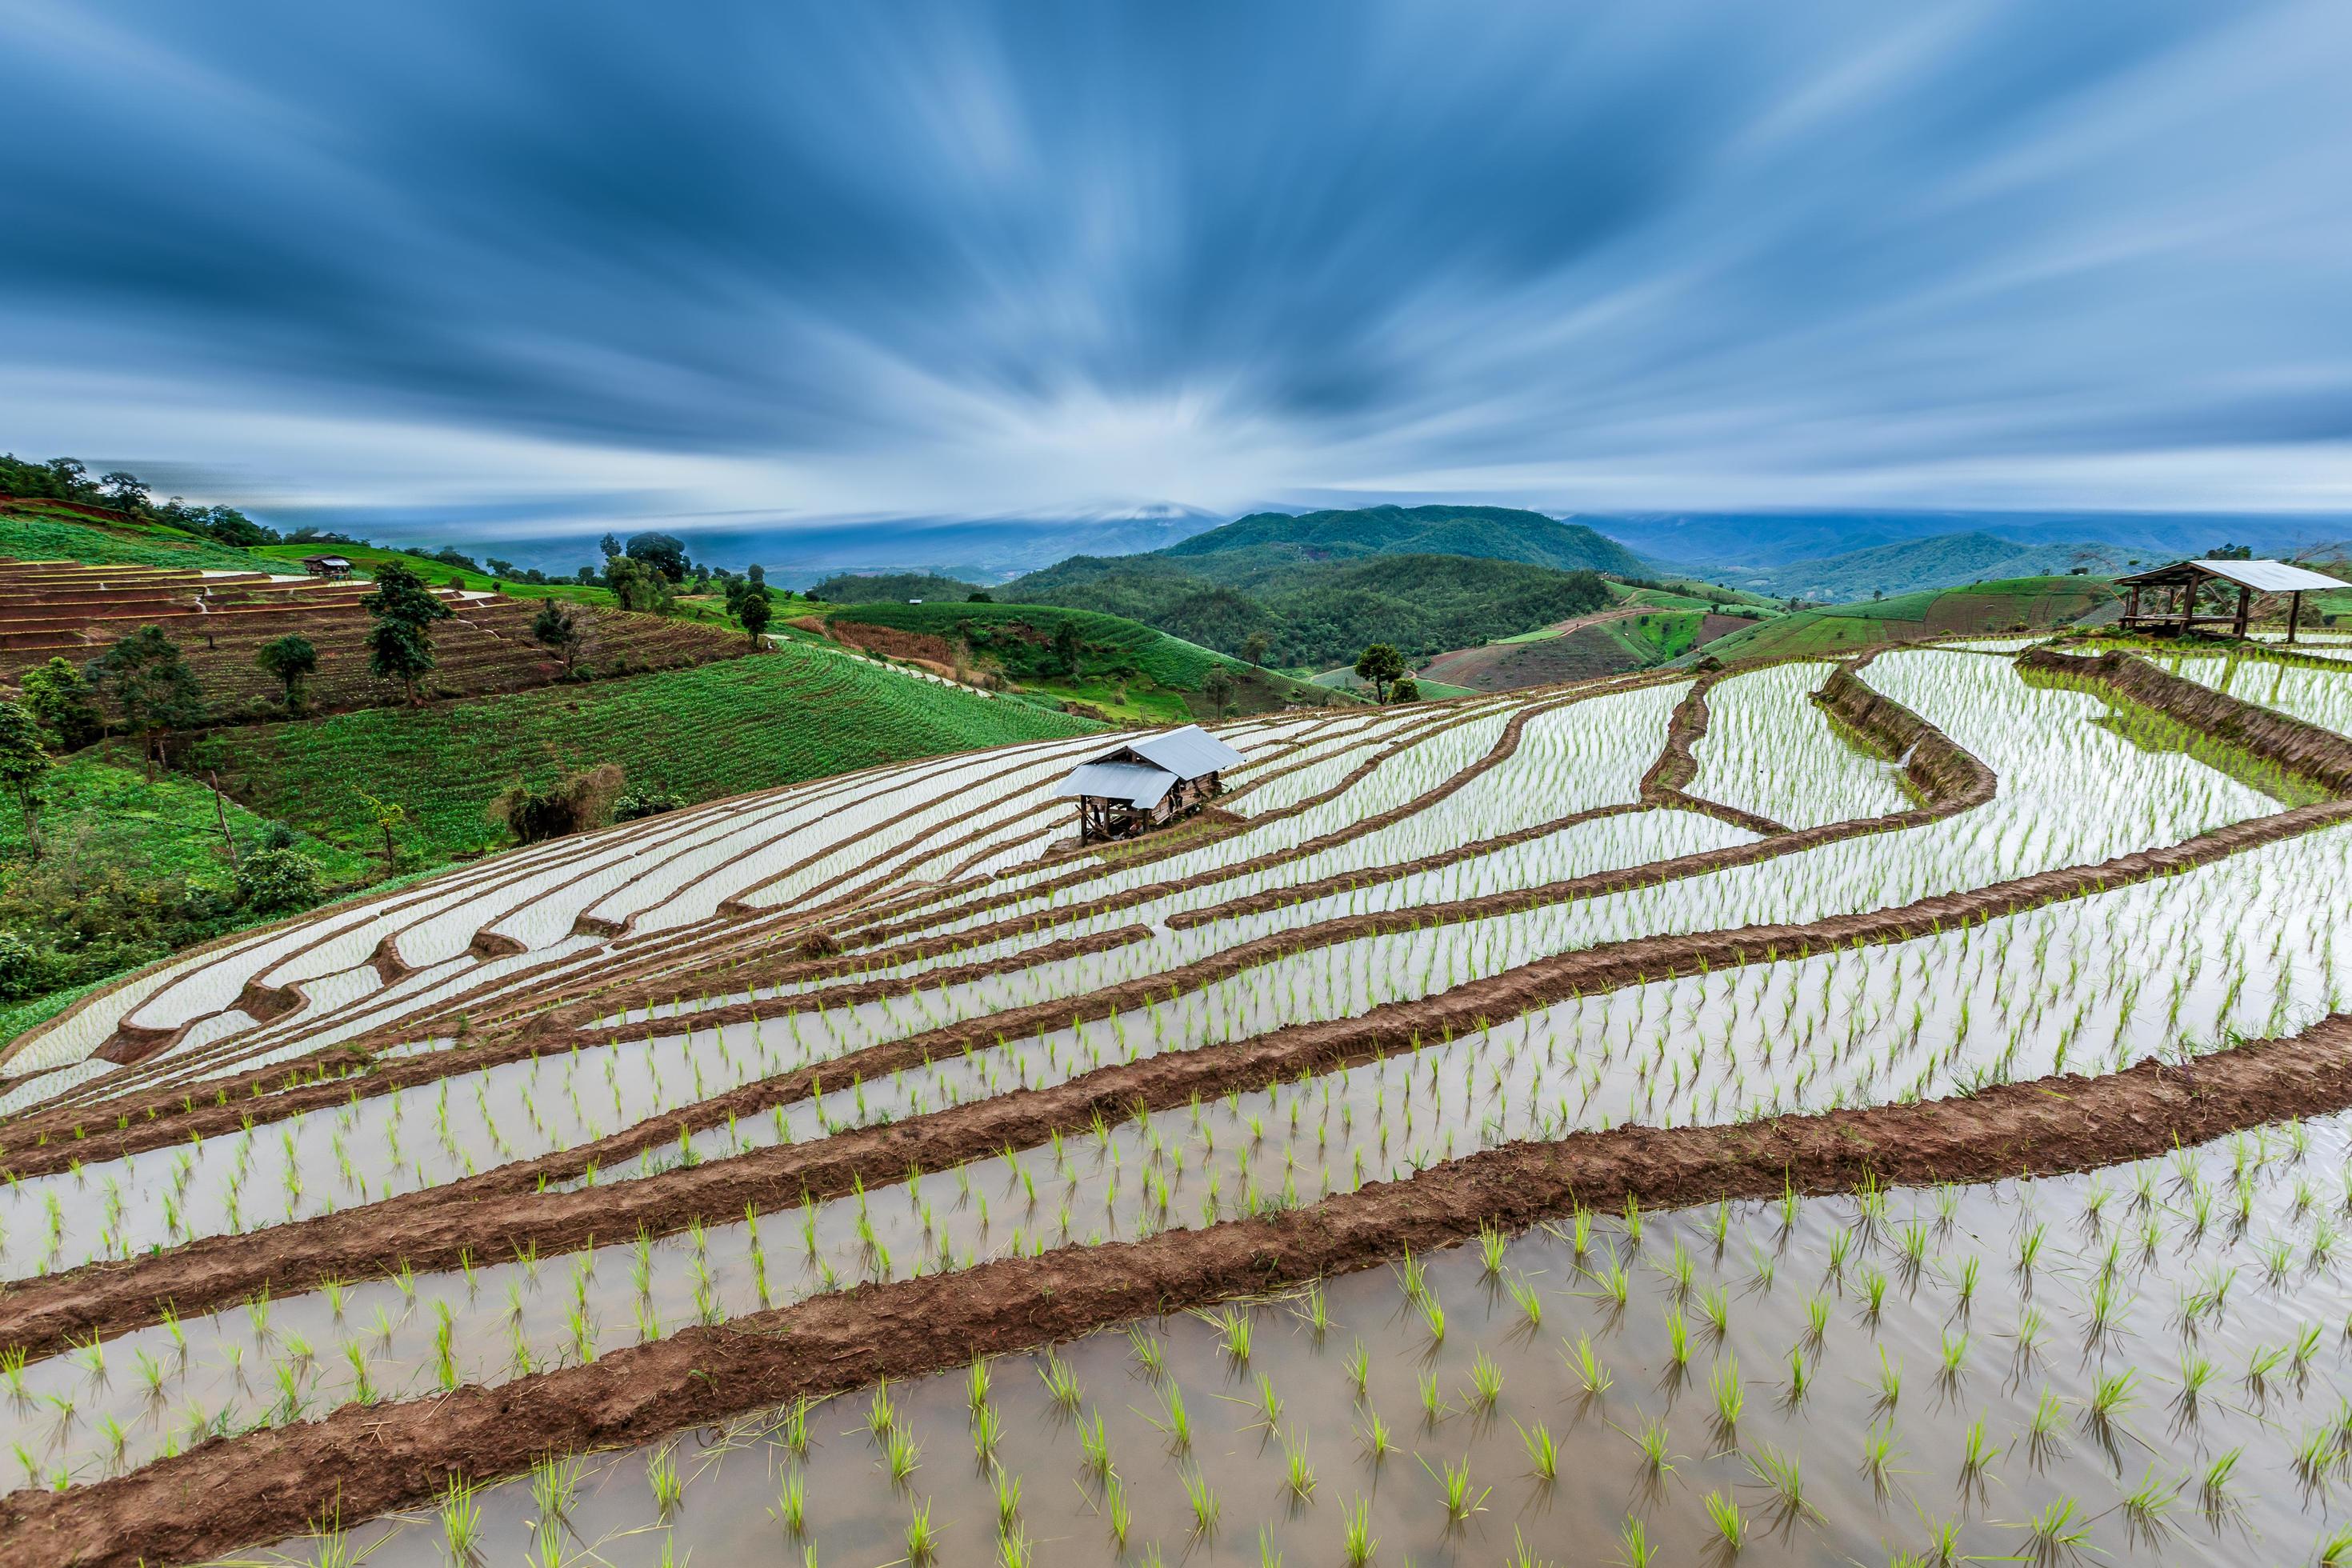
(1143, 784)
(2181, 583)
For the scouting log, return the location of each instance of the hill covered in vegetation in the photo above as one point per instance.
(2020, 604)
(1918, 564)
(1095, 663)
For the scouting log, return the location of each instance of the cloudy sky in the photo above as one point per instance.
(721, 262)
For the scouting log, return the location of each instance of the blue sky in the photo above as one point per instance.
(720, 264)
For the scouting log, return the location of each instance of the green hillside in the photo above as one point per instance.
(873, 587)
(1917, 565)
(1316, 614)
(1250, 547)
(1125, 670)
(2032, 604)
(132, 870)
(32, 532)
(795, 714)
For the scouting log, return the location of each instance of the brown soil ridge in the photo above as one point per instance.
(1665, 782)
(2321, 755)
(1937, 763)
(437, 1228)
(229, 1493)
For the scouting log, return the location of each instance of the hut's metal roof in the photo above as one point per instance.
(2262, 576)
(1137, 783)
(1188, 753)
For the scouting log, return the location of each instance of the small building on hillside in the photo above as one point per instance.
(326, 565)
(2180, 584)
(1146, 783)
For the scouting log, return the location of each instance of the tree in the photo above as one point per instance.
(755, 612)
(979, 596)
(24, 762)
(387, 817)
(610, 545)
(125, 491)
(1218, 688)
(275, 878)
(1380, 664)
(557, 628)
(151, 687)
(62, 703)
(664, 553)
(638, 587)
(290, 659)
(1068, 650)
(757, 573)
(1254, 647)
(1407, 690)
(400, 644)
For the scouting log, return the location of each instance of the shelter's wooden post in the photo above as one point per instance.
(2245, 603)
(2131, 609)
(2188, 605)
(2294, 614)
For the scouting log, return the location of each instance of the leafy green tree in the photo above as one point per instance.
(557, 628)
(980, 596)
(1254, 646)
(664, 553)
(153, 688)
(1380, 664)
(756, 573)
(400, 644)
(125, 491)
(1068, 650)
(23, 763)
(1407, 690)
(293, 659)
(610, 545)
(754, 612)
(64, 704)
(637, 587)
(387, 817)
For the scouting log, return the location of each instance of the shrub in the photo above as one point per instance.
(20, 967)
(534, 812)
(638, 803)
(280, 880)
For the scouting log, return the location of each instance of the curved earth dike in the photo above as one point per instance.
(439, 1227)
(367, 1460)
(2318, 754)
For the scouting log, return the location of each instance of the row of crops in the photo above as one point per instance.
(642, 1118)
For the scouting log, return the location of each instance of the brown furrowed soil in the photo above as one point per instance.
(365, 1460)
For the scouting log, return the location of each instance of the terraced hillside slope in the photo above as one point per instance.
(2012, 604)
(842, 1161)
(220, 619)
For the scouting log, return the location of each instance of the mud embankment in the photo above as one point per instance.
(230, 1493)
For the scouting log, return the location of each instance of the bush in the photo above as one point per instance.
(534, 812)
(280, 880)
(20, 968)
(637, 805)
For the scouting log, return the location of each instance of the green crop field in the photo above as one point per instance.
(2038, 603)
(794, 714)
(39, 534)
(1127, 670)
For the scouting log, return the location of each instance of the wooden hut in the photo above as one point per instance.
(327, 566)
(1146, 783)
(2181, 583)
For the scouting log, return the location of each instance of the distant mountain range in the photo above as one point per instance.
(1715, 541)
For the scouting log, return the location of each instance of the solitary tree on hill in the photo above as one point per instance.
(400, 645)
(292, 659)
(23, 764)
(754, 611)
(1407, 690)
(1254, 646)
(1067, 649)
(556, 628)
(1380, 664)
(1218, 688)
(153, 688)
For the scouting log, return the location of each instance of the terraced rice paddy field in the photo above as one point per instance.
(1818, 1112)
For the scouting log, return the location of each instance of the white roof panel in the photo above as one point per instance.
(2272, 577)
(1188, 753)
(1130, 782)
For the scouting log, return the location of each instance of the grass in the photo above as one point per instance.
(106, 826)
(39, 533)
(1983, 607)
(720, 729)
